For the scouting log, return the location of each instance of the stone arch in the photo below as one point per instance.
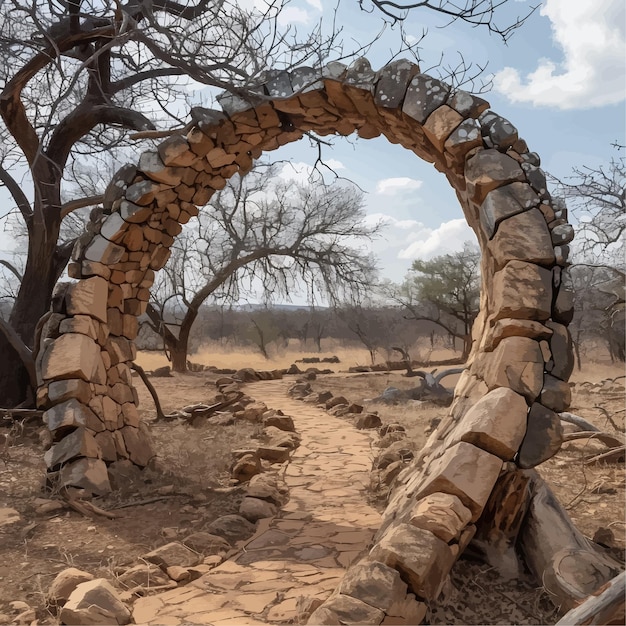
(505, 404)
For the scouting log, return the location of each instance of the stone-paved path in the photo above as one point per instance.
(305, 551)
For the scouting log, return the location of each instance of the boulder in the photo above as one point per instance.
(367, 421)
(64, 584)
(422, 559)
(94, 602)
(145, 575)
(232, 527)
(374, 583)
(268, 487)
(207, 544)
(246, 467)
(254, 509)
(173, 553)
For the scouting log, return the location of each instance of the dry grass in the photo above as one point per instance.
(237, 357)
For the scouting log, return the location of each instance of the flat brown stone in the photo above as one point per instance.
(523, 237)
(464, 471)
(442, 514)
(523, 291)
(340, 609)
(496, 423)
(72, 355)
(422, 559)
(517, 363)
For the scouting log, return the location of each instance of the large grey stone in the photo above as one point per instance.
(562, 352)
(504, 202)
(392, 83)
(69, 415)
(556, 394)
(523, 237)
(543, 439)
(206, 544)
(78, 443)
(423, 95)
(488, 170)
(232, 527)
(88, 474)
(254, 509)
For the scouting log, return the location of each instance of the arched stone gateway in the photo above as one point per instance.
(504, 414)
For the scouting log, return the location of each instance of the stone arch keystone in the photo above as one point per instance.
(504, 414)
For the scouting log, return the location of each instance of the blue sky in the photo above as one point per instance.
(561, 80)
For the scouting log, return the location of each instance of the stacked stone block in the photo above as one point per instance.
(505, 409)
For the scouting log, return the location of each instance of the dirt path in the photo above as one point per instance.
(326, 525)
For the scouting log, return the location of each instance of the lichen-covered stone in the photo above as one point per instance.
(423, 95)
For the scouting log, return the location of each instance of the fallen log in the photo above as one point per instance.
(581, 422)
(611, 456)
(21, 414)
(608, 439)
(604, 606)
(570, 566)
(523, 526)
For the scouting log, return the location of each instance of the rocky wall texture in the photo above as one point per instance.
(506, 403)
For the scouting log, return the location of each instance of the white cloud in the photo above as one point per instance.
(592, 38)
(316, 4)
(292, 15)
(334, 164)
(393, 186)
(428, 243)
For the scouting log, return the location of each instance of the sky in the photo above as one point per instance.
(561, 80)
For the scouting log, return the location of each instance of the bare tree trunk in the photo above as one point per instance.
(524, 520)
(44, 265)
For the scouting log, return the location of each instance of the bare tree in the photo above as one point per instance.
(476, 13)
(596, 196)
(263, 237)
(78, 76)
(444, 290)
